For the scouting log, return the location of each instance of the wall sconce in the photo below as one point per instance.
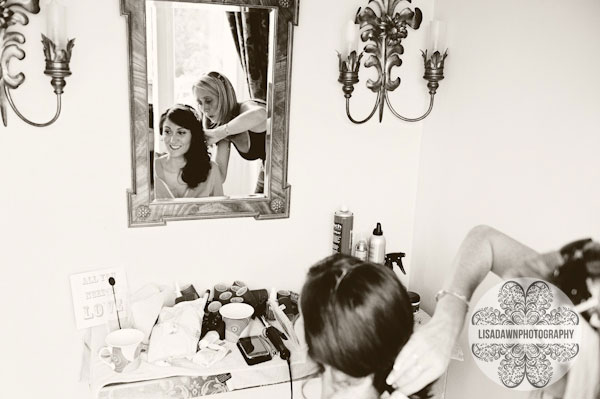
(383, 30)
(57, 51)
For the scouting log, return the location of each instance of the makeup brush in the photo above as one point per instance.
(112, 282)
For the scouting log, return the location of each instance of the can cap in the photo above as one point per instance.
(378, 231)
(414, 297)
(361, 245)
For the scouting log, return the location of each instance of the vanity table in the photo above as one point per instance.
(230, 378)
(185, 379)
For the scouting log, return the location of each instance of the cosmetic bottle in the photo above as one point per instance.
(214, 322)
(361, 251)
(342, 231)
(377, 246)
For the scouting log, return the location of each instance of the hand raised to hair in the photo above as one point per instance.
(538, 266)
(423, 359)
(215, 135)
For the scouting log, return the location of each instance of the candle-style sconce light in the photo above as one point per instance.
(383, 28)
(57, 51)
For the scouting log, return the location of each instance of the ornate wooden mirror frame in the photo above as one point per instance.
(143, 209)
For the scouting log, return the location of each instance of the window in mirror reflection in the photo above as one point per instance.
(186, 44)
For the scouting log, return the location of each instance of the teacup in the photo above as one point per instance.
(122, 352)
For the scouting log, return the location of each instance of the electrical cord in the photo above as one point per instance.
(291, 381)
(274, 337)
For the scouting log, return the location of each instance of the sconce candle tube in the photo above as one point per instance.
(352, 33)
(56, 23)
(437, 36)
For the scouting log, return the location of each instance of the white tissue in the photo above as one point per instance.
(178, 331)
(210, 355)
(209, 338)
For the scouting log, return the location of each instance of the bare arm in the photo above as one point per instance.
(222, 158)
(253, 117)
(484, 249)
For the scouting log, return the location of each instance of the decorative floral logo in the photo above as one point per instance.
(528, 338)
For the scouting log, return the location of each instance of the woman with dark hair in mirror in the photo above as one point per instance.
(186, 170)
(357, 317)
(228, 121)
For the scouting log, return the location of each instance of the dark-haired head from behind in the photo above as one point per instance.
(197, 157)
(357, 317)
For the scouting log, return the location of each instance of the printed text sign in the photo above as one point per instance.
(93, 300)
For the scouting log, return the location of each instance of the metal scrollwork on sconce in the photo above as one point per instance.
(383, 29)
(12, 13)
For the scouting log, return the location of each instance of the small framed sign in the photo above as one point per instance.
(93, 299)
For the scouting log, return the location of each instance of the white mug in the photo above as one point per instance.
(122, 352)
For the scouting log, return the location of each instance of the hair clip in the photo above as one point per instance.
(340, 278)
(217, 75)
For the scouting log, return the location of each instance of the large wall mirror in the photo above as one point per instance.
(209, 89)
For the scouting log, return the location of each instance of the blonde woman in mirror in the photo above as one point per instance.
(186, 170)
(228, 121)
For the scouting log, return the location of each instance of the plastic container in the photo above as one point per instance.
(415, 301)
(377, 246)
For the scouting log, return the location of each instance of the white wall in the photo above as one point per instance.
(515, 144)
(64, 203)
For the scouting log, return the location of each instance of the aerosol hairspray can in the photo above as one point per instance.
(342, 231)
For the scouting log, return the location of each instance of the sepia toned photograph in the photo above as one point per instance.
(300, 199)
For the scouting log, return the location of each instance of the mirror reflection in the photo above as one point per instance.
(208, 79)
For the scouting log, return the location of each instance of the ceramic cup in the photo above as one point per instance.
(122, 350)
(236, 317)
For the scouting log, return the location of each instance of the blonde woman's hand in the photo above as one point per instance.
(423, 359)
(215, 135)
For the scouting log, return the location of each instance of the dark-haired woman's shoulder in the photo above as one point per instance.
(159, 164)
(160, 158)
